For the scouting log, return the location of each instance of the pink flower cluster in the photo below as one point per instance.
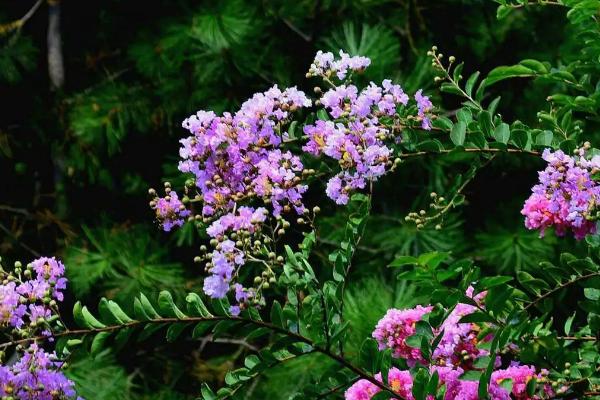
(401, 382)
(397, 326)
(458, 346)
(566, 196)
(234, 157)
(455, 354)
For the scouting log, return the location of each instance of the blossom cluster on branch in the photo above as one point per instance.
(567, 195)
(249, 184)
(28, 309)
(457, 352)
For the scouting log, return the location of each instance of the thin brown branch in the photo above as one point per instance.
(111, 328)
(560, 287)
(19, 23)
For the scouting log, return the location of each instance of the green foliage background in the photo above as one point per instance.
(76, 163)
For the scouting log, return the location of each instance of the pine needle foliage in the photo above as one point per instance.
(120, 262)
(109, 380)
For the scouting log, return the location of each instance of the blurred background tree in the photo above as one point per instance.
(93, 93)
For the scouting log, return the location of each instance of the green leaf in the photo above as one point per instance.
(404, 260)
(502, 133)
(544, 138)
(207, 393)
(167, 305)
(196, 306)
(569, 323)
(201, 328)
(492, 281)
(277, 314)
(478, 139)
(471, 82)
(503, 11)
(98, 343)
(477, 316)
(174, 331)
(84, 318)
(534, 65)
(138, 310)
(433, 259)
(507, 72)
(520, 138)
(148, 308)
(458, 133)
(485, 122)
(112, 312)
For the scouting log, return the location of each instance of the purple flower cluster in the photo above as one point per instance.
(361, 134)
(35, 376)
(228, 255)
(235, 157)
(170, 211)
(326, 65)
(424, 106)
(239, 161)
(566, 196)
(357, 138)
(27, 297)
(28, 308)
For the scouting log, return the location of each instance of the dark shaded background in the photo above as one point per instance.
(76, 161)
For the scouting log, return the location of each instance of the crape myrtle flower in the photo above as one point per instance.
(229, 255)
(327, 66)
(457, 347)
(236, 156)
(361, 134)
(35, 376)
(170, 211)
(28, 308)
(566, 196)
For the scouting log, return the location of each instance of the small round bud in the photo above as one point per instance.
(438, 227)
(265, 285)
(257, 280)
(197, 259)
